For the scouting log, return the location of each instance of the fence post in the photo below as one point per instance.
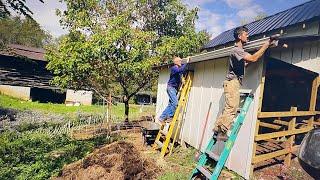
(290, 141)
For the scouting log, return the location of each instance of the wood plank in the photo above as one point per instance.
(278, 153)
(268, 125)
(261, 137)
(314, 91)
(254, 149)
(290, 141)
(278, 121)
(285, 114)
(262, 82)
(313, 99)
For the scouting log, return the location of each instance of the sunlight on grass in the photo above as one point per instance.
(117, 111)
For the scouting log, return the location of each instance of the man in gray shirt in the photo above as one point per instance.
(231, 86)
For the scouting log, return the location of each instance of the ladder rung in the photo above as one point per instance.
(164, 132)
(204, 171)
(160, 144)
(213, 155)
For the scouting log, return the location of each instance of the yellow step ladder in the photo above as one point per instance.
(164, 138)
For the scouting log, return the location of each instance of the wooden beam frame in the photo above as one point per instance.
(290, 141)
(272, 135)
(263, 157)
(271, 126)
(285, 114)
(278, 121)
(313, 99)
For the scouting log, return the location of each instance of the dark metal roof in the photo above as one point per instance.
(301, 13)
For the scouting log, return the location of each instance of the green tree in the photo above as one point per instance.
(18, 6)
(14, 30)
(115, 43)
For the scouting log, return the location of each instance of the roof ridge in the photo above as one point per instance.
(287, 17)
(26, 48)
(279, 12)
(268, 16)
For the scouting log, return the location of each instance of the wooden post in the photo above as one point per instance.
(313, 99)
(262, 82)
(109, 114)
(254, 147)
(290, 141)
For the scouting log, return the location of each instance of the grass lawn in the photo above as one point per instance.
(117, 112)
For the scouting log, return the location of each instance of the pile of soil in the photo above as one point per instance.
(119, 160)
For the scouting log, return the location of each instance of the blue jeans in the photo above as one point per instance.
(173, 103)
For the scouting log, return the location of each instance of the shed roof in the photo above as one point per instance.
(24, 51)
(250, 46)
(302, 13)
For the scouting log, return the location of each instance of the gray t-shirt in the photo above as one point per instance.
(236, 64)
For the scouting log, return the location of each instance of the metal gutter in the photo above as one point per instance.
(249, 46)
(220, 53)
(225, 52)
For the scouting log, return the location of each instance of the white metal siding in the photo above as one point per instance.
(162, 97)
(304, 54)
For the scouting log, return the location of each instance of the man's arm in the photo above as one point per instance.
(258, 54)
(182, 68)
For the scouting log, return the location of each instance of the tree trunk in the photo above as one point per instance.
(126, 110)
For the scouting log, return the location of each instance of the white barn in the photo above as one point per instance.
(284, 83)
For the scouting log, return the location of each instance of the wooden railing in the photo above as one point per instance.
(283, 124)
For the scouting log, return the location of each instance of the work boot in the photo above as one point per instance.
(222, 136)
(161, 122)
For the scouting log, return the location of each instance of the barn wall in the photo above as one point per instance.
(16, 91)
(310, 28)
(82, 97)
(302, 54)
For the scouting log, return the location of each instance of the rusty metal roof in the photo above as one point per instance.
(305, 12)
(24, 51)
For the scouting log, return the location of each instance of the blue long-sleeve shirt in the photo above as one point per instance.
(176, 73)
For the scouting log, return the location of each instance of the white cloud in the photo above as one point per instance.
(247, 9)
(197, 3)
(238, 4)
(45, 15)
(250, 12)
(230, 24)
(209, 21)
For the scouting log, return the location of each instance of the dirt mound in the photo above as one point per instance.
(119, 160)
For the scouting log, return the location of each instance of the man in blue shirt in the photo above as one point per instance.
(176, 72)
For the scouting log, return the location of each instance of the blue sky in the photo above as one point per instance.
(215, 16)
